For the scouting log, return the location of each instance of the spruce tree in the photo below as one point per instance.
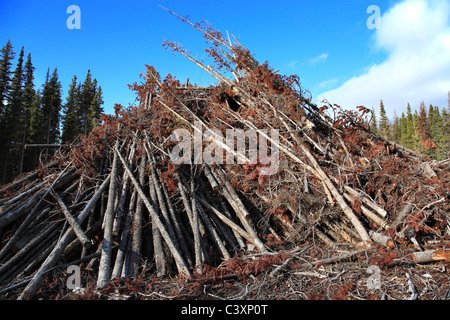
(14, 109)
(425, 144)
(51, 107)
(373, 123)
(29, 96)
(437, 133)
(384, 122)
(96, 108)
(410, 129)
(446, 129)
(6, 55)
(37, 126)
(431, 120)
(416, 135)
(71, 122)
(90, 105)
(13, 117)
(86, 95)
(403, 129)
(396, 129)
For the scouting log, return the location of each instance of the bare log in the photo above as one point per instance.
(105, 260)
(51, 260)
(213, 233)
(227, 221)
(432, 255)
(178, 226)
(121, 252)
(136, 248)
(181, 264)
(239, 208)
(43, 145)
(367, 201)
(339, 198)
(369, 214)
(85, 241)
(38, 239)
(159, 256)
(382, 239)
(196, 230)
(41, 195)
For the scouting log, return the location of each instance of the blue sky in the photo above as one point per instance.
(327, 43)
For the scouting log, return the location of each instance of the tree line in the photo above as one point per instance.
(426, 130)
(40, 116)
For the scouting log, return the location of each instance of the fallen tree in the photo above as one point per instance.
(120, 205)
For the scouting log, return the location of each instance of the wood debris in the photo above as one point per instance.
(120, 207)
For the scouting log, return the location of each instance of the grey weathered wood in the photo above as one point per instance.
(105, 260)
(181, 264)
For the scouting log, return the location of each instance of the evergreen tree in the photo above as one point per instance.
(431, 120)
(403, 129)
(446, 129)
(29, 96)
(438, 134)
(425, 144)
(37, 122)
(422, 121)
(83, 108)
(6, 55)
(71, 123)
(384, 122)
(373, 123)
(13, 110)
(409, 140)
(86, 95)
(51, 107)
(396, 130)
(416, 134)
(96, 108)
(36, 131)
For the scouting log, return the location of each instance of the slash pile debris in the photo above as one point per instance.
(342, 202)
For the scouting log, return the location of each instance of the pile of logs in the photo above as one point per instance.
(116, 203)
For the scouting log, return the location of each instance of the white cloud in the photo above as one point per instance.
(293, 63)
(416, 36)
(327, 83)
(320, 58)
